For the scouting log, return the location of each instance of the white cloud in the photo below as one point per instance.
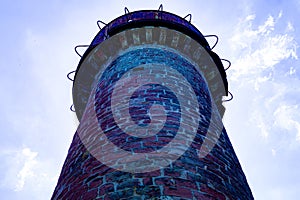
(289, 27)
(288, 117)
(292, 71)
(261, 80)
(275, 110)
(25, 173)
(264, 128)
(259, 52)
(27, 169)
(261, 48)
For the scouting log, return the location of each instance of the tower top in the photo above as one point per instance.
(141, 19)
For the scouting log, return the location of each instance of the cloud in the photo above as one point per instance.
(260, 48)
(21, 165)
(260, 56)
(27, 169)
(25, 173)
(262, 125)
(287, 117)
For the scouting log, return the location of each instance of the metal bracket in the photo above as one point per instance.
(80, 46)
(231, 97)
(126, 13)
(98, 23)
(72, 108)
(217, 40)
(229, 63)
(190, 17)
(160, 8)
(68, 75)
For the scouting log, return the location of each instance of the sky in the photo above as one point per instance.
(260, 38)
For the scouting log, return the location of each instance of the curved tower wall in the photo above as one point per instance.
(148, 95)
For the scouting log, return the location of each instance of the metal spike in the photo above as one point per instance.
(229, 63)
(72, 108)
(80, 46)
(190, 16)
(68, 75)
(160, 7)
(99, 21)
(126, 10)
(231, 97)
(217, 40)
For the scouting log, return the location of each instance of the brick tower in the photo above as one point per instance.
(148, 94)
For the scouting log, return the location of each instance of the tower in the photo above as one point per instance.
(148, 94)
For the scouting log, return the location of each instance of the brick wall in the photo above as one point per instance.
(216, 176)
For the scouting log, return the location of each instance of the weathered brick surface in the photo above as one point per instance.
(216, 176)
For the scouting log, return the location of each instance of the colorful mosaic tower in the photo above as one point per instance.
(148, 94)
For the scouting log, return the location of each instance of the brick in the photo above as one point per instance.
(217, 176)
(178, 192)
(212, 192)
(106, 188)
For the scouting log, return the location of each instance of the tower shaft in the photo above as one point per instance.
(151, 121)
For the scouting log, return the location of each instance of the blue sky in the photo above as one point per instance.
(261, 38)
